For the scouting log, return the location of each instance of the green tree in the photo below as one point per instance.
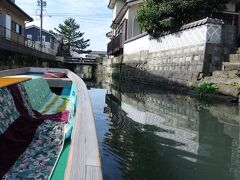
(158, 16)
(72, 38)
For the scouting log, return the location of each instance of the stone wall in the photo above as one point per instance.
(176, 66)
(16, 60)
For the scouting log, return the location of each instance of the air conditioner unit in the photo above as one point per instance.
(5, 25)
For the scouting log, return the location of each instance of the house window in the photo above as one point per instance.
(16, 28)
(43, 38)
(29, 36)
(136, 30)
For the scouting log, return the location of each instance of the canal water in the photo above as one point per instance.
(148, 134)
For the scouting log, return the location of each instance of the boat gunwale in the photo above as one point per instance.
(84, 159)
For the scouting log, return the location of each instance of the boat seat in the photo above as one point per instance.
(39, 159)
(46, 102)
(43, 100)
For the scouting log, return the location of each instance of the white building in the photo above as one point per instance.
(125, 28)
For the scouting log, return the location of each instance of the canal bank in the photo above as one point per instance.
(147, 133)
(14, 60)
(221, 86)
(202, 51)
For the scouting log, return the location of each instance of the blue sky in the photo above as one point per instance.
(93, 16)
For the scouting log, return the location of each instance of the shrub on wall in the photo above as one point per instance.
(158, 16)
(206, 88)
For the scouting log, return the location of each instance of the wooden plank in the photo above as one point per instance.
(11, 80)
(14, 72)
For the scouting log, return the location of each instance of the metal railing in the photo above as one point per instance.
(19, 39)
(115, 46)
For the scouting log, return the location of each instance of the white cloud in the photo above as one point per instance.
(93, 16)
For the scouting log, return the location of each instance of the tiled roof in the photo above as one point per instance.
(198, 23)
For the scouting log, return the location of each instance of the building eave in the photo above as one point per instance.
(28, 18)
(123, 11)
(34, 26)
(111, 4)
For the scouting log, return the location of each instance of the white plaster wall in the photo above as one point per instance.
(137, 45)
(187, 37)
(202, 34)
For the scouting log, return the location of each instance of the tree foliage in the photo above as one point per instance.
(72, 37)
(158, 16)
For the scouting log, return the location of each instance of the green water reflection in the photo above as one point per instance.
(149, 134)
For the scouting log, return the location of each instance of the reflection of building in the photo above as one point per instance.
(187, 136)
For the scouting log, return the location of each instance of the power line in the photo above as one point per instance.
(97, 14)
(87, 21)
(100, 20)
(74, 15)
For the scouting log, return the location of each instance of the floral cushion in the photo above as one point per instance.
(38, 92)
(40, 157)
(39, 160)
(8, 111)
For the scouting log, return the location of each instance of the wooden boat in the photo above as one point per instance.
(83, 161)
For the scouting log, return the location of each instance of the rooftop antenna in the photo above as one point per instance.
(42, 5)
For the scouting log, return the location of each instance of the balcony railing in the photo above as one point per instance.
(115, 46)
(19, 39)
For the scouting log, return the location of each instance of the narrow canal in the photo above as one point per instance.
(148, 134)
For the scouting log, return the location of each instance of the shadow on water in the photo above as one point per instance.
(149, 134)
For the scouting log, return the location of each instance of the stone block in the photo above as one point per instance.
(196, 58)
(179, 51)
(229, 90)
(188, 59)
(201, 48)
(193, 49)
(175, 60)
(231, 66)
(186, 50)
(234, 58)
(226, 74)
(181, 59)
(173, 52)
(144, 55)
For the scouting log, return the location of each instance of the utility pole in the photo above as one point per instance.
(42, 4)
(41, 24)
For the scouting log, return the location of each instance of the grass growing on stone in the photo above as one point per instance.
(234, 84)
(206, 88)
